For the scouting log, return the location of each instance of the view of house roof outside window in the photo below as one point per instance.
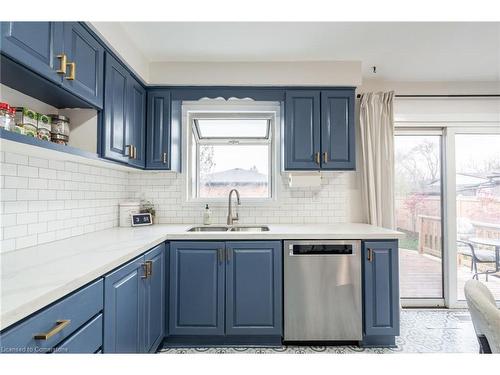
(242, 167)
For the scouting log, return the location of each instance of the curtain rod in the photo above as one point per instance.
(447, 96)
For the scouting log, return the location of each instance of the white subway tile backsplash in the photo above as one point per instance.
(16, 158)
(25, 171)
(43, 200)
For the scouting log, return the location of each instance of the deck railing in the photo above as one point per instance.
(429, 233)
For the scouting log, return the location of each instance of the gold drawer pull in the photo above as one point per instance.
(325, 157)
(72, 71)
(145, 267)
(60, 325)
(149, 267)
(370, 255)
(63, 60)
(317, 158)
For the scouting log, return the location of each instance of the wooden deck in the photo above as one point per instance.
(421, 277)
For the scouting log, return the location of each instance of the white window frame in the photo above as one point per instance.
(210, 108)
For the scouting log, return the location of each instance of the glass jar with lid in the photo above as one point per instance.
(6, 117)
(59, 129)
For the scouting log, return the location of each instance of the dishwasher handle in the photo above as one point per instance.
(326, 249)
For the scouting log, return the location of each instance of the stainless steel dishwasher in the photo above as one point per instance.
(322, 300)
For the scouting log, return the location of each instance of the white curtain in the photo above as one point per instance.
(376, 118)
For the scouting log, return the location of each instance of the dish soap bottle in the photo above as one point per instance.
(207, 216)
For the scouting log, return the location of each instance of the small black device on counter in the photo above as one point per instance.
(141, 219)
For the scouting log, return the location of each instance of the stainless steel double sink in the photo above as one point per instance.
(237, 228)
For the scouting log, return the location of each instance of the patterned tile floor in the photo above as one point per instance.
(422, 331)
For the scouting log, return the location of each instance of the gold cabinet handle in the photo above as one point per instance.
(135, 152)
(325, 157)
(128, 151)
(228, 255)
(220, 253)
(164, 158)
(149, 266)
(60, 325)
(370, 255)
(317, 158)
(63, 61)
(145, 269)
(72, 71)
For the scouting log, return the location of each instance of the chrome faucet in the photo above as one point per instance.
(230, 217)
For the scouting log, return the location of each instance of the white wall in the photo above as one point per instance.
(322, 73)
(116, 38)
(428, 88)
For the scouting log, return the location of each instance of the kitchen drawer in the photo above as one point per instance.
(87, 339)
(77, 308)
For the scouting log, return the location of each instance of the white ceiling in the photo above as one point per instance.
(401, 51)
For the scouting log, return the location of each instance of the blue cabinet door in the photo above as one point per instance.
(381, 288)
(124, 309)
(36, 45)
(196, 305)
(158, 130)
(116, 107)
(302, 130)
(87, 54)
(253, 288)
(136, 122)
(154, 299)
(337, 130)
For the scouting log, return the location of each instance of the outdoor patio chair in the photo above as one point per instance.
(485, 316)
(477, 256)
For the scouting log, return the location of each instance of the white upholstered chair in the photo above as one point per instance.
(485, 316)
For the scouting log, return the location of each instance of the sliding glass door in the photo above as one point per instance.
(477, 210)
(447, 191)
(418, 211)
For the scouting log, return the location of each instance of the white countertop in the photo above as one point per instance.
(34, 277)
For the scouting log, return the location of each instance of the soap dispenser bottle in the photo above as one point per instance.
(207, 216)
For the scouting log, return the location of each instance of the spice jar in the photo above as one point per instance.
(59, 129)
(5, 116)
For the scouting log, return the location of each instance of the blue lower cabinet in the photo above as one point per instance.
(134, 304)
(253, 288)
(124, 308)
(196, 304)
(381, 291)
(60, 322)
(225, 292)
(87, 339)
(154, 298)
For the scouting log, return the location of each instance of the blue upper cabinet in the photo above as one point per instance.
(116, 104)
(85, 67)
(196, 305)
(158, 130)
(62, 52)
(319, 130)
(337, 130)
(381, 288)
(253, 288)
(136, 123)
(302, 130)
(35, 45)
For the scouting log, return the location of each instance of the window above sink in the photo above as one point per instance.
(231, 145)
